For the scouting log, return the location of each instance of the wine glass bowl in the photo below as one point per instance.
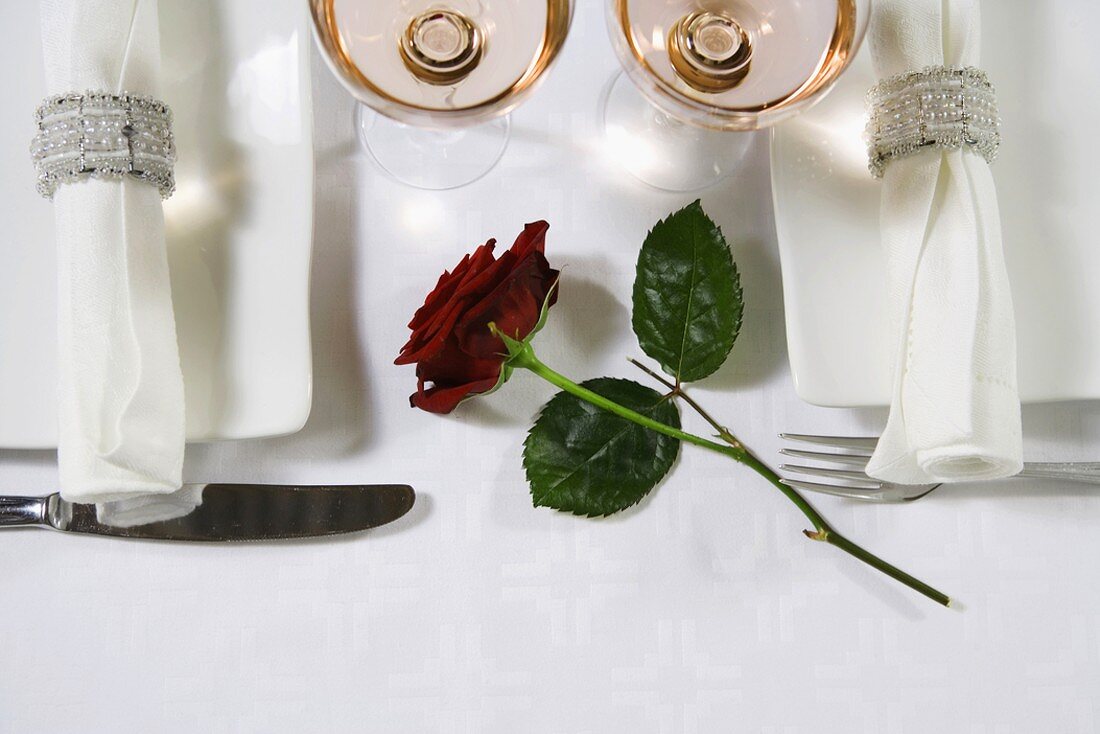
(449, 71)
(695, 71)
(736, 64)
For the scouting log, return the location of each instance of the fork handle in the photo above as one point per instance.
(1071, 471)
(22, 511)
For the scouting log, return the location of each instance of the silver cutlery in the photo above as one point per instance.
(229, 512)
(848, 478)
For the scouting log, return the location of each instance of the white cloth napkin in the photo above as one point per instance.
(955, 413)
(121, 407)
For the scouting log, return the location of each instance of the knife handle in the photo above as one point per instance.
(23, 511)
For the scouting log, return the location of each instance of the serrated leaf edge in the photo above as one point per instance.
(738, 291)
(595, 515)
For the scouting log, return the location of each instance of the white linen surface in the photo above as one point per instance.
(955, 412)
(701, 611)
(121, 403)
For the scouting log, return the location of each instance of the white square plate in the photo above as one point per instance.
(239, 226)
(826, 208)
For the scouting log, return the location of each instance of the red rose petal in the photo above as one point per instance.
(450, 366)
(456, 355)
(444, 289)
(424, 349)
(434, 312)
(444, 400)
(442, 307)
(533, 237)
(485, 281)
(454, 376)
(515, 307)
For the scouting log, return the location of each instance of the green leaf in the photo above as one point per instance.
(585, 460)
(687, 295)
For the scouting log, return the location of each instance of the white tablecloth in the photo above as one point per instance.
(703, 610)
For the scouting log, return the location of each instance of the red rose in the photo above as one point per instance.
(455, 353)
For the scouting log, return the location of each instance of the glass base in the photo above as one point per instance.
(432, 159)
(661, 151)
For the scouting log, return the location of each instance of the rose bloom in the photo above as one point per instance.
(455, 353)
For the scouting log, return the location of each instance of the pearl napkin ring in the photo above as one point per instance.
(103, 135)
(939, 107)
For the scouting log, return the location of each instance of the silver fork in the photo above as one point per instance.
(851, 481)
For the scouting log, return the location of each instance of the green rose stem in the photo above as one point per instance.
(521, 355)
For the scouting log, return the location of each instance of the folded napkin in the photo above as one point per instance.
(121, 408)
(955, 412)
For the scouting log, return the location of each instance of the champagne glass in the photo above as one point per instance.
(698, 72)
(437, 78)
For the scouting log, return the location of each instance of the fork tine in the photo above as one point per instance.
(866, 495)
(848, 475)
(858, 460)
(836, 442)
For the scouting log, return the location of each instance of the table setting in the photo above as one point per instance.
(727, 286)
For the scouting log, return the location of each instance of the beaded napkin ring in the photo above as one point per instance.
(103, 135)
(938, 107)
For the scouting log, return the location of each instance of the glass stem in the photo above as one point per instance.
(823, 532)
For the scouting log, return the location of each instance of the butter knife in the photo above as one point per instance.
(220, 512)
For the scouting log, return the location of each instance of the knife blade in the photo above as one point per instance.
(220, 512)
